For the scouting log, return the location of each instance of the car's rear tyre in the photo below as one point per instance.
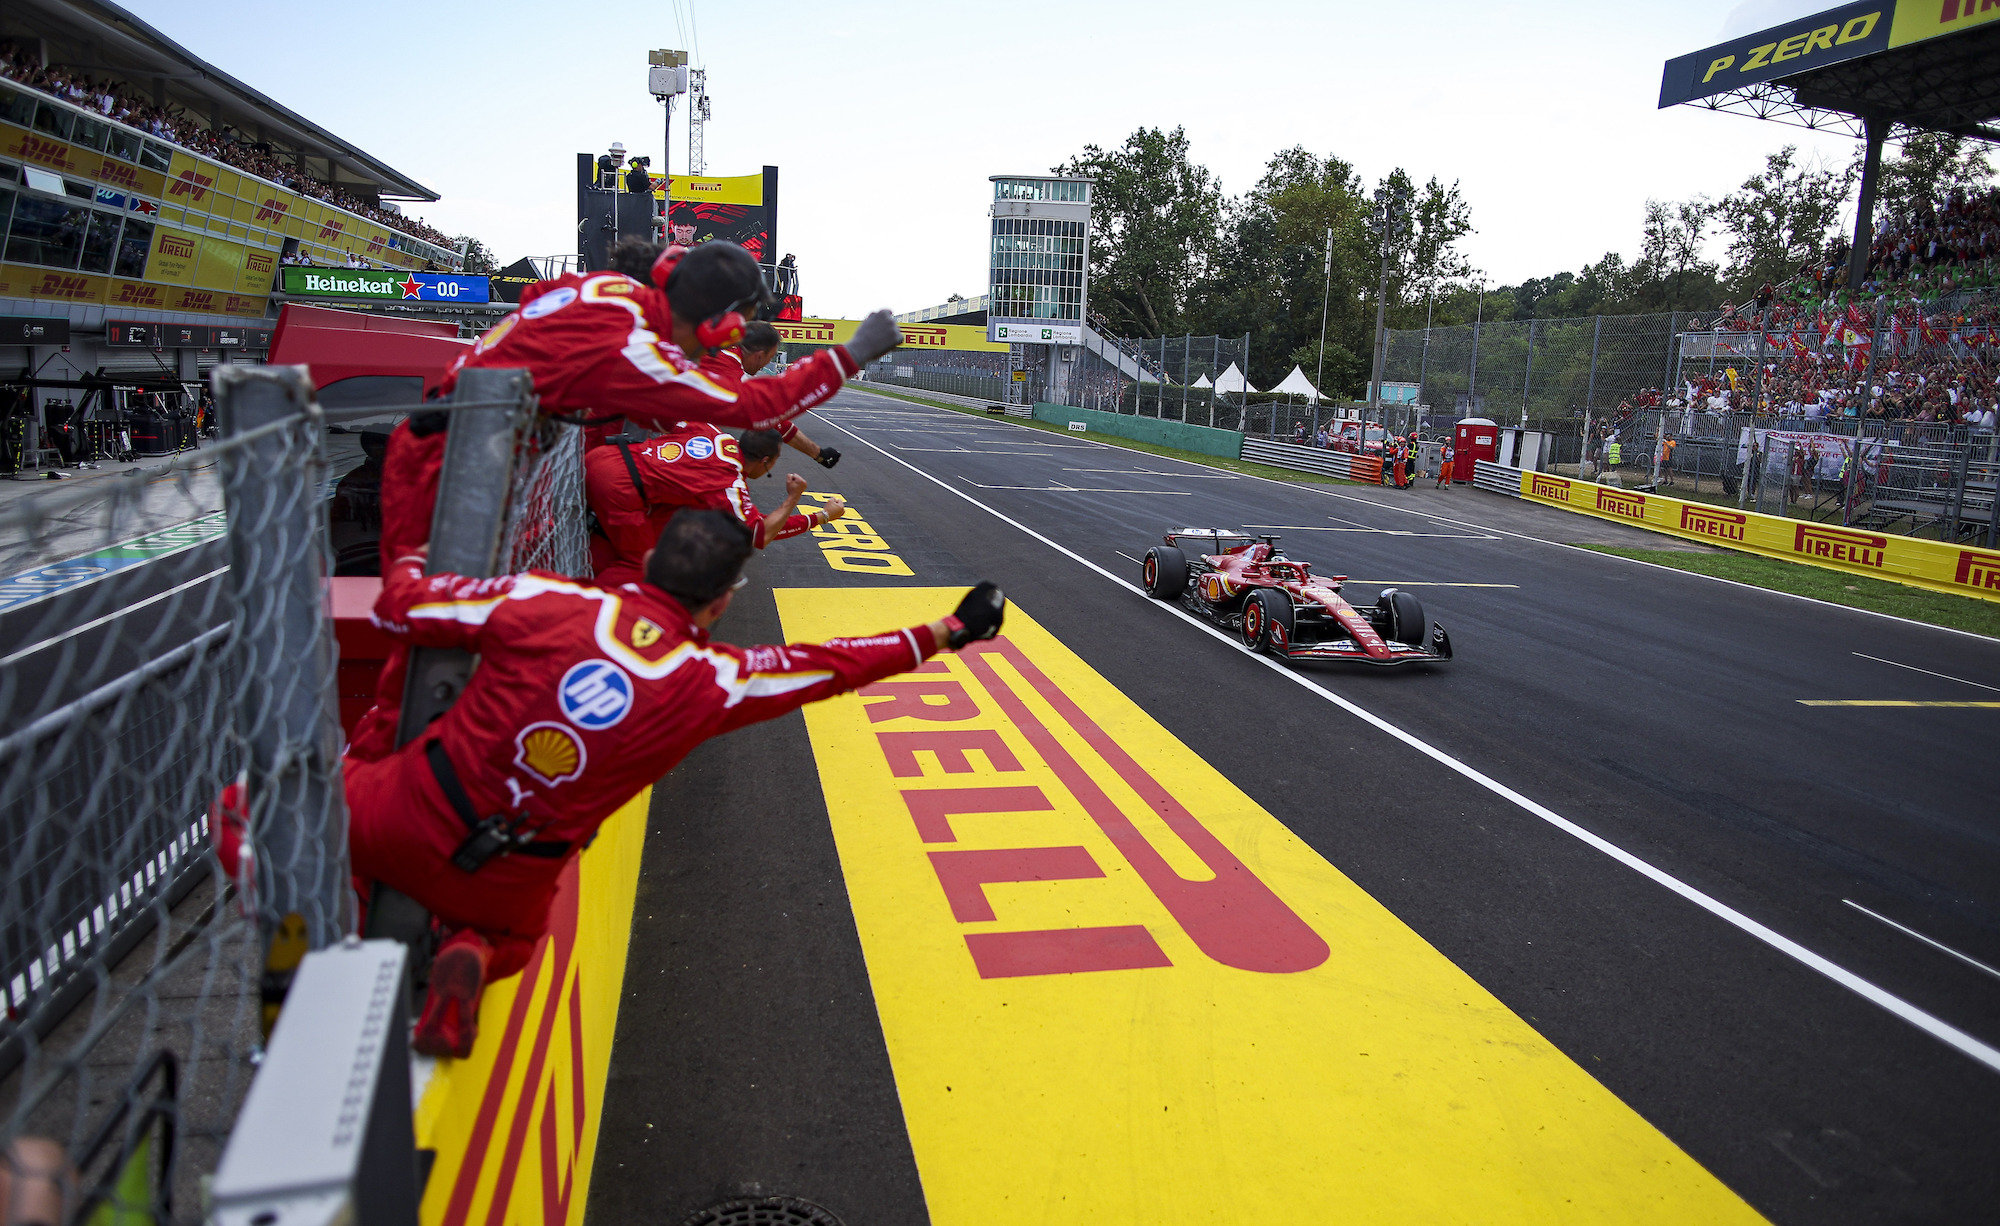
(1164, 572)
(1267, 621)
(1406, 616)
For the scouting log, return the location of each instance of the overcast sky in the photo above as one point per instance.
(886, 119)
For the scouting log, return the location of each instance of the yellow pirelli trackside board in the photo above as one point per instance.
(514, 1126)
(1116, 990)
(1937, 565)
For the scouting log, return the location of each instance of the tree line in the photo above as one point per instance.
(1172, 254)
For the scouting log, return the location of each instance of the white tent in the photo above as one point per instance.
(1232, 380)
(1202, 382)
(1296, 384)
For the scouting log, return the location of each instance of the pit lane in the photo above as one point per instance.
(1656, 710)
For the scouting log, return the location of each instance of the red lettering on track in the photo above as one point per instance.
(1064, 951)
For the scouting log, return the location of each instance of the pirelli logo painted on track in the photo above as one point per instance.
(851, 543)
(1110, 982)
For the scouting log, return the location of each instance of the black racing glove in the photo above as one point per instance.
(827, 457)
(877, 335)
(977, 617)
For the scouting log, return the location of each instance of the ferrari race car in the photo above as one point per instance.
(1279, 606)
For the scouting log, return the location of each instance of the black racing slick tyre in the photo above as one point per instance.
(1406, 617)
(1267, 621)
(1164, 572)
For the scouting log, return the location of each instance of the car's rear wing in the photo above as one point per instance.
(1211, 540)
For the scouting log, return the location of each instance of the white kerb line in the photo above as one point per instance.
(1908, 931)
(1936, 1027)
(1927, 672)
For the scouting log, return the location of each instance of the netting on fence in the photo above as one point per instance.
(546, 514)
(1174, 377)
(136, 684)
(166, 636)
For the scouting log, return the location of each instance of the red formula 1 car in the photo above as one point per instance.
(1279, 606)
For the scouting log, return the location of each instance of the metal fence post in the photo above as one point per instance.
(286, 714)
(1590, 384)
(473, 485)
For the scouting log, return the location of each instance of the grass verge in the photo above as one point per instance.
(1835, 587)
(1245, 467)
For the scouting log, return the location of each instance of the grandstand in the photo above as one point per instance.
(140, 184)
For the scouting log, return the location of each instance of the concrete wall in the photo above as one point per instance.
(1205, 439)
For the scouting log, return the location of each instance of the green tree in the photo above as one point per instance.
(1155, 214)
(478, 257)
(1781, 218)
(1929, 168)
(1671, 273)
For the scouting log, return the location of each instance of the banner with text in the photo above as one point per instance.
(1937, 565)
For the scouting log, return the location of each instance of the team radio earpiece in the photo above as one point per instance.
(718, 331)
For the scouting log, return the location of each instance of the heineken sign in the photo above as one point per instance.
(383, 283)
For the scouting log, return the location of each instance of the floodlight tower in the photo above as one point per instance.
(667, 79)
(698, 114)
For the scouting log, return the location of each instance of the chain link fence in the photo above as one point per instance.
(133, 969)
(175, 641)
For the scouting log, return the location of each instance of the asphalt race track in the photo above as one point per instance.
(1768, 930)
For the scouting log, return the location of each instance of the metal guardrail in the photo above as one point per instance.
(1299, 459)
(1497, 478)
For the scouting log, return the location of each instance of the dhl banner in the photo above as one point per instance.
(514, 1126)
(1937, 565)
(55, 285)
(915, 336)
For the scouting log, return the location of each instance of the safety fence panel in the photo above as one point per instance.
(1302, 459)
(163, 660)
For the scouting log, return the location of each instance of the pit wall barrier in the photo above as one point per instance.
(1186, 437)
(1938, 566)
(514, 1126)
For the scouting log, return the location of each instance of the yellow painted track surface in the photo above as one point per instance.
(1114, 989)
(514, 1126)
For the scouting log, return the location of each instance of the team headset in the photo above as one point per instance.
(725, 327)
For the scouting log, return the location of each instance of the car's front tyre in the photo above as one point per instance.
(1267, 621)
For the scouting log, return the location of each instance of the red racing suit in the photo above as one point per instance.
(598, 344)
(595, 344)
(583, 696)
(725, 366)
(695, 466)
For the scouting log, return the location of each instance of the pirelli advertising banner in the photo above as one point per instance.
(1937, 565)
(915, 336)
(1801, 45)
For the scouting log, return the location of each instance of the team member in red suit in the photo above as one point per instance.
(605, 339)
(730, 367)
(583, 696)
(634, 489)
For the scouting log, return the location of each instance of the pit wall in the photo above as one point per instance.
(1936, 565)
(513, 1128)
(1204, 439)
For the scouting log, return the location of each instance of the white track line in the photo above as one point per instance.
(73, 631)
(1539, 540)
(1935, 1027)
(1969, 961)
(1913, 668)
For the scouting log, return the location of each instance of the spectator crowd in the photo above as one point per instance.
(112, 100)
(1920, 343)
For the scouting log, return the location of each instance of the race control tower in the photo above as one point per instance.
(1038, 276)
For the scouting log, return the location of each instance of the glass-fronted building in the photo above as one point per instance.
(1038, 290)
